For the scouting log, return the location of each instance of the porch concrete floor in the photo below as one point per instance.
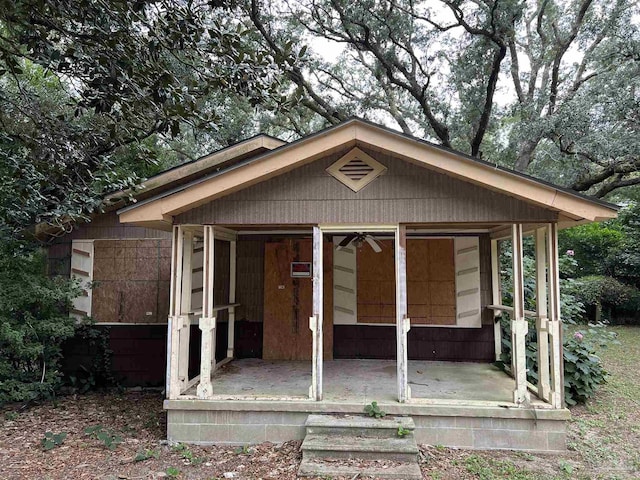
(363, 380)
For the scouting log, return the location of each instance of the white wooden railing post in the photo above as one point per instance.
(555, 324)
(207, 321)
(519, 326)
(316, 320)
(175, 321)
(496, 291)
(232, 299)
(403, 323)
(542, 315)
(185, 308)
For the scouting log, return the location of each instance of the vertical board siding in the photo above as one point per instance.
(405, 193)
(250, 279)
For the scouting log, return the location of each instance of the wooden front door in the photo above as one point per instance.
(288, 301)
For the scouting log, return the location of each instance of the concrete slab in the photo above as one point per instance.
(363, 380)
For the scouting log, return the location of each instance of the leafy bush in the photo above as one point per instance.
(583, 371)
(110, 439)
(98, 373)
(33, 324)
(603, 293)
(52, 440)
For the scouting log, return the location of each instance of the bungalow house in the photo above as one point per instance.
(353, 265)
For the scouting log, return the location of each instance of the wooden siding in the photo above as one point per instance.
(405, 193)
(250, 279)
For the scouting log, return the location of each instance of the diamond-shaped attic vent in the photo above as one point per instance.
(356, 169)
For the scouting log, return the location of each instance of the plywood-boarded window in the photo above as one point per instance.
(131, 281)
(443, 282)
(376, 283)
(431, 287)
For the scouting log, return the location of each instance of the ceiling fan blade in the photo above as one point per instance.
(345, 241)
(375, 245)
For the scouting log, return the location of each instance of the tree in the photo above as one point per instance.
(85, 82)
(547, 87)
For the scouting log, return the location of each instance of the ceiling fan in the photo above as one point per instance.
(358, 239)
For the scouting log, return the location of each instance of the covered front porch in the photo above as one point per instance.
(220, 376)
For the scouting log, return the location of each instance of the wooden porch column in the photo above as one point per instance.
(185, 308)
(542, 316)
(177, 323)
(555, 324)
(402, 321)
(519, 325)
(315, 321)
(232, 298)
(496, 290)
(208, 320)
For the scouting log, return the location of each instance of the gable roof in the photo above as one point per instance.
(158, 211)
(189, 171)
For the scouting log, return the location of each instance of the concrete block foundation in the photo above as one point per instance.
(241, 422)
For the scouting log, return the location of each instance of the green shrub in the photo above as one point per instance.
(33, 324)
(98, 372)
(603, 293)
(373, 410)
(583, 371)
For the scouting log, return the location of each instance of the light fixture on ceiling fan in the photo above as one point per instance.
(358, 239)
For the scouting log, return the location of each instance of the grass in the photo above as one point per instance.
(606, 431)
(603, 435)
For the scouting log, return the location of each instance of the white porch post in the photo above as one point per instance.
(519, 325)
(402, 321)
(555, 325)
(316, 320)
(232, 298)
(207, 321)
(542, 318)
(496, 290)
(185, 308)
(176, 320)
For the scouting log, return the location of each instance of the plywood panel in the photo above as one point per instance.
(430, 282)
(288, 302)
(129, 284)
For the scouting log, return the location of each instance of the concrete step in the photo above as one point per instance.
(399, 449)
(358, 425)
(323, 469)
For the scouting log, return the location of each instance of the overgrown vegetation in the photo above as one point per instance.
(52, 440)
(99, 373)
(33, 325)
(605, 276)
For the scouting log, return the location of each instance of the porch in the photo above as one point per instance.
(363, 381)
(318, 320)
(462, 405)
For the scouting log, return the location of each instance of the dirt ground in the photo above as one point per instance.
(125, 435)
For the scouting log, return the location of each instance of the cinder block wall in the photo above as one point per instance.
(241, 427)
